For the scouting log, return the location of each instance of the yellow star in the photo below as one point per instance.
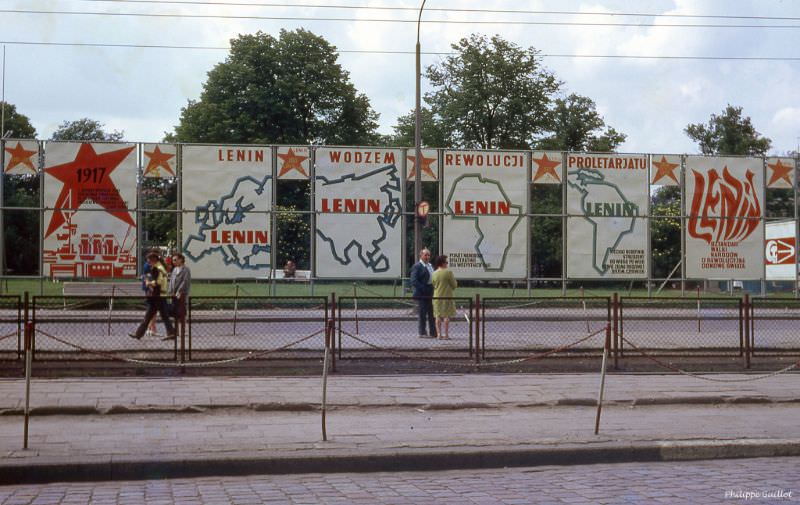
(292, 161)
(780, 171)
(546, 166)
(158, 159)
(426, 167)
(20, 156)
(665, 169)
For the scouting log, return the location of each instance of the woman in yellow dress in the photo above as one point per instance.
(444, 307)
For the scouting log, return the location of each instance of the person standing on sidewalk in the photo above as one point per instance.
(180, 280)
(444, 307)
(156, 290)
(421, 282)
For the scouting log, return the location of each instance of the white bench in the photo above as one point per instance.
(123, 288)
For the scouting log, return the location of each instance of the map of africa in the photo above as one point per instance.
(495, 231)
(610, 214)
(360, 240)
(232, 211)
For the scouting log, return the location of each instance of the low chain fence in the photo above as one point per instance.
(774, 326)
(381, 326)
(222, 325)
(515, 326)
(11, 320)
(701, 327)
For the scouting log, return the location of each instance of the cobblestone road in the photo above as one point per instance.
(761, 481)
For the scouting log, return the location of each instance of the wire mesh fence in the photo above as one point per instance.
(774, 326)
(514, 326)
(224, 325)
(385, 326)
(703, 326)
(11, 327)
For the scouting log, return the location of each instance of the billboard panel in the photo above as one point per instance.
(227, 197)
(485, 201)
(20, 157)
(159, 161)
(724, 229)
(358, 200)
(607, 199)
(90, 218)
(780, 250)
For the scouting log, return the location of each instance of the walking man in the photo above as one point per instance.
(156, 290)
(180, 280)
(422, 285)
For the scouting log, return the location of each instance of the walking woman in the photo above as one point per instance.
(444, 307)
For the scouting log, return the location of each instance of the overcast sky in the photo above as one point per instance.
(141, 90)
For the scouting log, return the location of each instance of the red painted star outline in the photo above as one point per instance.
(780, 171)
(546, 166)
(426, 166)
(98, 187)
(20, 156)
(292, 161)
(665, 169)
(158, 160)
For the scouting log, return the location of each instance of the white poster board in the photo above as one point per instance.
(159, 161)
(90, 202)
(780, 250)
(607, 201)
(227, 198)
(20, 157)
(358, 200)
(724, 229)
(485, 199)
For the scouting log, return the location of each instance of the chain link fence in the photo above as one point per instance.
(515, 326)
(774, 325)
(11, 327)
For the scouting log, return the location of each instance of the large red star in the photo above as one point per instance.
(426, 166)
(20, 156)
(158, 160)
(88, 177)
(780, 171)
(546, 166)
(292, 161)
(665, 169)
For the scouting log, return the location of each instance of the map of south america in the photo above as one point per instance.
(227, 215)
(494, 217)
(611, 215)
(360, 229)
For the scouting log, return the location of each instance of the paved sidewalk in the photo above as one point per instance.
(125, 428)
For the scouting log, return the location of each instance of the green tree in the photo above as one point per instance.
(286, 90)
(433, 133)
(729, 133)
(491, 94)
(17, 124)
(665, 230)
(577, 126)
(21, 224)
(85, 130)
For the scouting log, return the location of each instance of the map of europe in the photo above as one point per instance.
(362, 238)
(610, 214)
(495, 230)
(232, 211)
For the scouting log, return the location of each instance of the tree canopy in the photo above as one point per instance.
(286, 90)
(577, 126)
(729, 133)
(85, 129)
(18, 124)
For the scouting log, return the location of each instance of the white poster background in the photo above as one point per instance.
(159, 161)
(546, 167)
(20, 157)
(780, 172)
(227, 196)
(780, 250)
(733, 247)
(430, 165)
(665, 170)
(359, 206)
(607, 202)
(90, 202)
(485, 201)
(294, 163)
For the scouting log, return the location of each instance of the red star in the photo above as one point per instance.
(20, 156)
(780, 171)
(665, 169)
(292, 161)
(426, 166)
(158, 159)
(88, 177)
(546, 167)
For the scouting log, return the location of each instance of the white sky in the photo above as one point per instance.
(141, 90)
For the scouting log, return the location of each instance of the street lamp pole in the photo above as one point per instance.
(417, 144)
